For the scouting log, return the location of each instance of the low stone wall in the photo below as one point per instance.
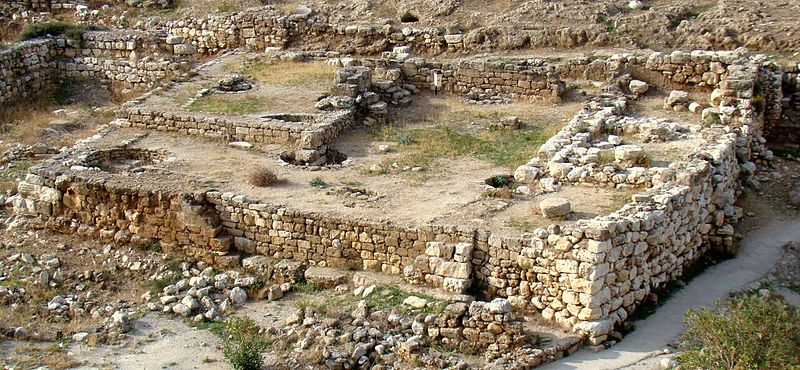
(324, 240)
(45, 5)
(255, 130)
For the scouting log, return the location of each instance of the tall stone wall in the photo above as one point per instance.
(114, 210)
(26, 69)
(516, 80)
(784, 124)
(126, 59)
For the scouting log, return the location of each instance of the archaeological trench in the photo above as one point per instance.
(139, 179)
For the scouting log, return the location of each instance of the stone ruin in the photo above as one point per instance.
(589, 275)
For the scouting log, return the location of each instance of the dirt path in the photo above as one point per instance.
(761, 249)
(158, 343)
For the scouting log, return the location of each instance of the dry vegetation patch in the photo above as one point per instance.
(28, 122)
(309, 75)
(263, 177)
(446, 127)
(652, 105)
(282, 86)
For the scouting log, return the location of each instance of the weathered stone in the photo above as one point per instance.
(325, 277)
(415, 301)
(638, 87)
(555, 207)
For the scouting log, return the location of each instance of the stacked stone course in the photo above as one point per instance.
(516, 80)
(26, 70)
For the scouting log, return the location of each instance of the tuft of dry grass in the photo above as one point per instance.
(23, 122)
(309, 75)
(653, 106)
(263, 177)
(227, 104)
(51, 356)
(500, 193)
(121, 96)
(26, 122)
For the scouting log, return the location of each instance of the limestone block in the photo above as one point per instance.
(555, 207)
(526, 174)
(638, 87)
(184, 49)
(629, 153)
(325, 277)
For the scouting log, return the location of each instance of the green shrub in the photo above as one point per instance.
(243, 343)
(405, 139)
(62, 94)
(58, 28)
(318, 183)
(752, 332)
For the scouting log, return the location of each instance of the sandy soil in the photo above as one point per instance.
(156, 343)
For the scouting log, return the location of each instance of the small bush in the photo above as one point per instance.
(499, 181)
(243, 343)
(58, 28)
(318, 183)
(405, 139)
(304, 287)
(62, 94)
(752, 332)
(263, 177)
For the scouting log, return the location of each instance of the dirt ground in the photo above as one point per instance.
(288, 87)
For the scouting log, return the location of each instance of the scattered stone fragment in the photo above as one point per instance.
(638, 87)
(415, 302)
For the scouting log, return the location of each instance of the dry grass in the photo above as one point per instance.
(231, 104)
(312, 75)
(617, 199)
(8, 176)
(263, 177)
(25, 122)
(446, 127)
(119, 97)
(51, 356)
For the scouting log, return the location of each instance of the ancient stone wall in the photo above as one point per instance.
(45, 5)
(26, 69)
(515, 80)
(127, 59)
(258, 29)
(678, 69)
(783, 126)
(308, 133)
(130, 59)
(114, 210)
(590, 275)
